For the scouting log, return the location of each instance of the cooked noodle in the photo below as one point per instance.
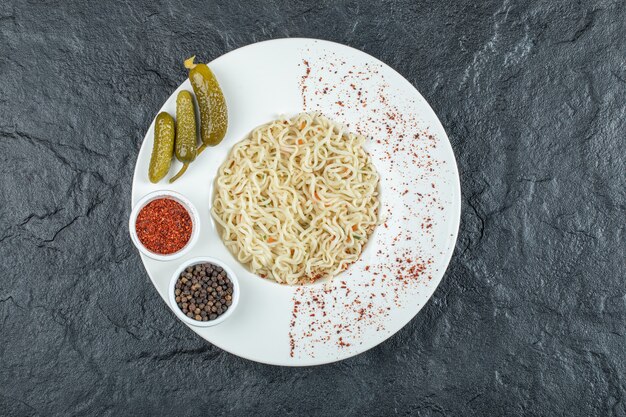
(297, 200)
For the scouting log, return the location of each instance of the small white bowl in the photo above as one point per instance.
(195, 227)
(172, 297)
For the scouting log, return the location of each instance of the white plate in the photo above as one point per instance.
(405, 258)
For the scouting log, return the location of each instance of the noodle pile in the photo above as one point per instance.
(297, 200)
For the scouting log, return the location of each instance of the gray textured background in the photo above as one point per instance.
(531, 316)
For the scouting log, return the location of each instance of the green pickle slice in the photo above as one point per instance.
(211, 103)
(163, 147)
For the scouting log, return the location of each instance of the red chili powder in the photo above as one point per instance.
(164, 226)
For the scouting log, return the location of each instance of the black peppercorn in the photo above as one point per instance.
(203, 292)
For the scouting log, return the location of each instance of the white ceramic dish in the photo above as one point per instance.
(406, 256)
(188, 205)
(200, 260)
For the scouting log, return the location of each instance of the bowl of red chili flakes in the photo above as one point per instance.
(164, 225)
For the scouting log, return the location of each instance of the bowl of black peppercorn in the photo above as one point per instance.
(204, 292)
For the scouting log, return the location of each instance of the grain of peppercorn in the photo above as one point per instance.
(204, 292)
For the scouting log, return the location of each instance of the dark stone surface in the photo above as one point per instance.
(531, 316)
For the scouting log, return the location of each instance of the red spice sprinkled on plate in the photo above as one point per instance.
(292, 345)
(303, 86)
(163, 226)
(346, 311)
(341, 343)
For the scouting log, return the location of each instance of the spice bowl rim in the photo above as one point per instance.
(185, 202)
(192, 262)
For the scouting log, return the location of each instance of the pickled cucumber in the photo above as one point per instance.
(185, 148)
(163, 147)
(211, 103)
